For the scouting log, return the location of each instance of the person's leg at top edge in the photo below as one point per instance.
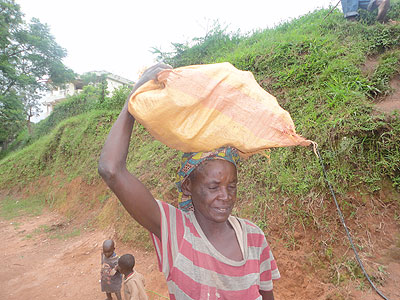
(383, 7)
(350, 9)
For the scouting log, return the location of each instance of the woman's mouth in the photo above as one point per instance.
(222, 209)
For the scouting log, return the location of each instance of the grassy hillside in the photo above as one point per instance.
(316, 68)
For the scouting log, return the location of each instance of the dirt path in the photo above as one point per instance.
(40, 261)
(391, 102)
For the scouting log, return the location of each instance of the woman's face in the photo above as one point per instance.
(213, 190)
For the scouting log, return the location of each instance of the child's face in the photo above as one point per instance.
(108, 251)
(123, 270)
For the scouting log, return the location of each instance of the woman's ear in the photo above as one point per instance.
(187, 187)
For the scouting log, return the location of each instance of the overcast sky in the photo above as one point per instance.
(117, 35)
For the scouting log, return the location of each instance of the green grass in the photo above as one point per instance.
(54, 232)
(61, 235)
(313, 66)
(314, 69)
(11, 208)
(71, 148)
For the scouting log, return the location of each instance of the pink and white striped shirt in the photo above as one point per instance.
(194, 269)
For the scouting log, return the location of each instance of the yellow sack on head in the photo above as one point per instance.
(204, 107)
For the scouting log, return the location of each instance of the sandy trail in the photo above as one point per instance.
(36, 266)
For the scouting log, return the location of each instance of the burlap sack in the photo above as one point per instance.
(203, 107)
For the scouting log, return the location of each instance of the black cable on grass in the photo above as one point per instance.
(344, 224)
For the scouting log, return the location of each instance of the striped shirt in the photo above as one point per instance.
(194, 269)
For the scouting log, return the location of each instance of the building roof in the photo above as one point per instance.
(114, 77)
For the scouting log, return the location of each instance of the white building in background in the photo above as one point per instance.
(59, 94)
(114, 81)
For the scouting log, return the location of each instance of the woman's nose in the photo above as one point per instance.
(223, 193)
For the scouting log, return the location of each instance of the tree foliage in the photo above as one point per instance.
(98, 80)
(30, 62)
(200, 50)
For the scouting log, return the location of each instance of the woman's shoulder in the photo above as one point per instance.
(250, 226)
(166, 206)
(171, 211)
(248, 223)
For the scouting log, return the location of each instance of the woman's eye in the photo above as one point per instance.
(213, 187)
(232, 186)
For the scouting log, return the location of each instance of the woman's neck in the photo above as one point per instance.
(212, 229)
(223, 238)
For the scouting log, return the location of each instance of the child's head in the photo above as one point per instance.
(126, 263)
(108, 248)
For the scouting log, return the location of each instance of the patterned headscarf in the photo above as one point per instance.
(190, 161)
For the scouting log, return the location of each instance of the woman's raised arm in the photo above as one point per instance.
(134, 196)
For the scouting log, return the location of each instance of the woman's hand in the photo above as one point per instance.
(150, 74)
(267, 295)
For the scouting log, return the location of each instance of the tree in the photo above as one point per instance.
(12, 116)
(97, 80)
(30, 63)
(200, 50)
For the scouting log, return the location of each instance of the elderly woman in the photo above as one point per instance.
(203, 251)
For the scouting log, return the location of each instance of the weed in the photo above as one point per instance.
(16, 225)
(61, 235)
(45, 228)
(389, 65)
(104, 198)
(11, 208)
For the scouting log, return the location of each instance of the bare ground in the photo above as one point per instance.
(41, 258)
(391, 102)
(40, 265)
